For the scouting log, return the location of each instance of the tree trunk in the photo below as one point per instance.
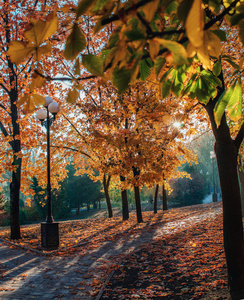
(164, 194)
(155, 204)
(138, 204)
(125, 205)
(232, 216)
(226, 150)
(99, 207)
(136, 173)
(14, 200)
(78, 209)
(108, 201)
(16, 174)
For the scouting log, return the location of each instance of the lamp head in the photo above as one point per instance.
(54, 108)
(48, 101)
(41, 114)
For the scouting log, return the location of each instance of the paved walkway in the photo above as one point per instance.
(79, 275)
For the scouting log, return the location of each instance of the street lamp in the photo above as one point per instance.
(214, 195)
(49, 229)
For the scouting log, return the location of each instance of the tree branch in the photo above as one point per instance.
(49, 78)
(3, 129)
(73, 149)
(4, 87)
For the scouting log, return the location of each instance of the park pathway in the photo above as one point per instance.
(82, 273)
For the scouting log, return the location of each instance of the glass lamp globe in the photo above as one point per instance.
(48, 101)
(41, 114)
(54, 107)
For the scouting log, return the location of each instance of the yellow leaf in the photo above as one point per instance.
(23, 100)
(42, 50)
(30, 101)
(38, 99)
(191, 50)
(149, 9)
(154, 48)
(195, 24)
(41, 30)
(37, 82)
(19, 51)
(29, 105)
(73, 95)
(212, 43)
(37, 33)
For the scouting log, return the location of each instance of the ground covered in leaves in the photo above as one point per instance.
(186, 262)
(77, 232)
(188, 265)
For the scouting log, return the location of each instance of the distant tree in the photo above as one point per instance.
(188, 191)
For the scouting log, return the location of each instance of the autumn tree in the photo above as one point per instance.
(21, 91)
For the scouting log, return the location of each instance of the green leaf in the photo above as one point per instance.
(121, 79)
(135, 35)
(166, 88)
(183, 9)
(191, 85)
(202, 90)
(76, 42)
(99, 5)
(220, 106)
(215, 6)
(159, 63)
(177, 50)
(217, 68)
(234, 106)
(176, 89)
(229, 60)
(83, 7)
(221, 34)
(171, 8)
(145, 68)
(93, 64)
(166, 74)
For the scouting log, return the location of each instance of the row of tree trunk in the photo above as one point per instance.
(125, 203)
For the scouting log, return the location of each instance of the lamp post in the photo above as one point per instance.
(49, 229)
(214, 195)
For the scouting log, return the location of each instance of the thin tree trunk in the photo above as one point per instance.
(164, 195)
(125, 204)
(136, 173)
(155, 204)
(78, 209)
(14, 201)
(16, 174)
(107, 197)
